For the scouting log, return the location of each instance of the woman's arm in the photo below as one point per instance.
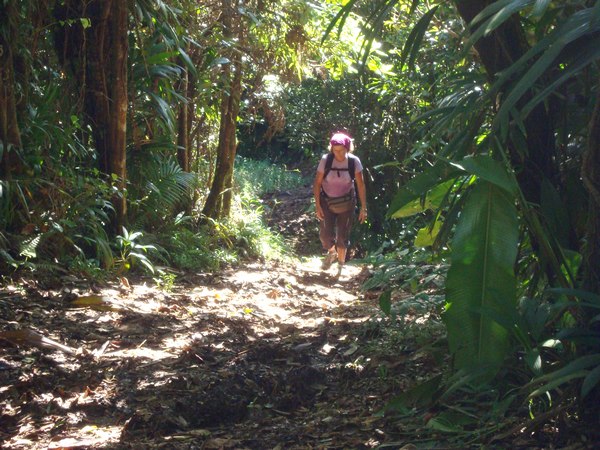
(317, 193)
(362, 196)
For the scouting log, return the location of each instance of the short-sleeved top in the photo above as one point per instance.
(336, 184)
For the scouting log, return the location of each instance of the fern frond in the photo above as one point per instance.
(29, 247)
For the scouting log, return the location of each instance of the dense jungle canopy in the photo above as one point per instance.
(158, 138)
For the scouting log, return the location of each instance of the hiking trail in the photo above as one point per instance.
(266, 355)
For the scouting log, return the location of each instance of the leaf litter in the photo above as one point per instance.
(262, 356)
(266, 355)
(274, 355)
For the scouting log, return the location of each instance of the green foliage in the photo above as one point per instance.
(456, 411)
(255, 178)
(159, 187)
(481, 284)
(131, 252)
(406, 268)
(564, 356)
(88, 269)
(463, 193)
(165, 281)
(219, 244)
(195, 251)
(245, 235)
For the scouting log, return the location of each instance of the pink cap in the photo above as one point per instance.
(341, 139)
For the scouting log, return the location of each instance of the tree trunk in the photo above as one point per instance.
(218, 203)
(498, 51)
(98, 57)
(10, 134)
(233, 110)
(590, 173)
(117, 119)
(183, 131)
(185, 122)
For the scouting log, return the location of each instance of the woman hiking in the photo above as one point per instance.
(335, 197)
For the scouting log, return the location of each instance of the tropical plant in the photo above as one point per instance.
(499, 178)
(131, 251)
(159, 187)
(256, 178)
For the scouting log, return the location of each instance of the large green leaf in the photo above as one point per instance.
(587, 53)
(483, 166)
(481, 285)
(432, 200)
(577, 26)
(412, 191)
(427, 236)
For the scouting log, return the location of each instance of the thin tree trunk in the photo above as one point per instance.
(117, 119)
(231, 141)
(218, 202)
(185, 122)
(10, 134)
(191, 95)
(183, 131)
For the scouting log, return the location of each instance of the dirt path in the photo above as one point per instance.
(276, 355)
(268, 356)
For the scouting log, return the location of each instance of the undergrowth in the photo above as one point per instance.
(431, 406)
(245, 234)
(165, 242)
(435, 405)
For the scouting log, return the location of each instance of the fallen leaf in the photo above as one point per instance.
(125, 283)
(97, 302)
(273, 294)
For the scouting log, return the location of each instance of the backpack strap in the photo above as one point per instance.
(329, 163)
(351, 168)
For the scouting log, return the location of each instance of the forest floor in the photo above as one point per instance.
(274, 355)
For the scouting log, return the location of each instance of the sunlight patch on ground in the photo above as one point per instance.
(313, 265)
(251, 277)
(142, 353)
(180, 342)
(265, 305)
(88, 436)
